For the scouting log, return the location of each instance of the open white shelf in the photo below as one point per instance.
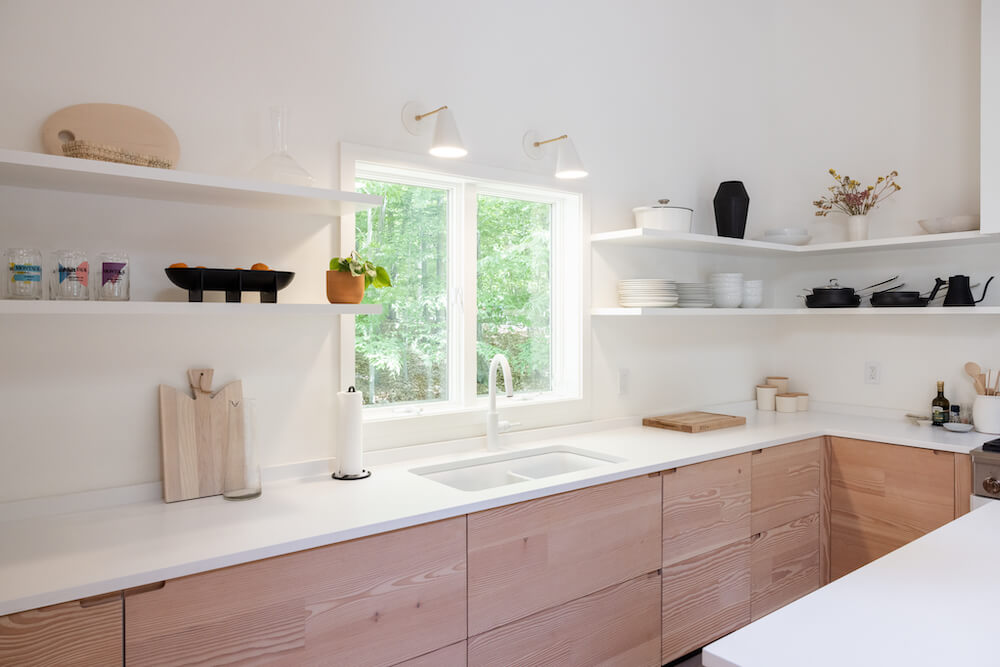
(14, 307)
(55, 172)
(654, 238)
(930, 311)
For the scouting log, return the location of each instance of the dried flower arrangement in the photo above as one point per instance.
(849, 197)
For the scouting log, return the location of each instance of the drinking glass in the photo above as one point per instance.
(24, 273)
(243, 479)
(70, 275)
(114, 272)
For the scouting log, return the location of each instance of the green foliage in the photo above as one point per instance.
(401, 355)
(375, 276)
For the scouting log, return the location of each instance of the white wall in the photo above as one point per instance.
(663, 98)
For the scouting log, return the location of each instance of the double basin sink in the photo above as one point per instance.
(488, 472)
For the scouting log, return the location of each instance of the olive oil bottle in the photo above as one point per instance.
(940, 406)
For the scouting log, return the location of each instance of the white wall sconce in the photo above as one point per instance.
(568, 163)
(446, 141)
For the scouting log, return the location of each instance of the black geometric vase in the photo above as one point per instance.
(732, 203)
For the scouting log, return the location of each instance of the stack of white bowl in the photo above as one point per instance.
(695, 295)
(788, 236)
(727, 289)
(647, 293)
(753, 293)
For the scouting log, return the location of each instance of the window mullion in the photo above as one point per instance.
(469, 319)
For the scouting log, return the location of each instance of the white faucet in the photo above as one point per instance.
(494, 425)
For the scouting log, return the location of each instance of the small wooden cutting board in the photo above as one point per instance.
(694, 422)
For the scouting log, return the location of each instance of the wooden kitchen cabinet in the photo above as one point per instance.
(379, 600)
(785, 483)
(449, 656)
(784, 564)
(619, 625)
(539, 554)
(87, 633)
(884, 496)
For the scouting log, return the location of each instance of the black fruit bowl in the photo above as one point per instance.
(231, 281)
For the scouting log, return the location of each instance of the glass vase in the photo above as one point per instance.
(280, 166)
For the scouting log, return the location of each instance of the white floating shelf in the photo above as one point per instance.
(56, 172)
(654, 238)
(13, 307)
(930, 311)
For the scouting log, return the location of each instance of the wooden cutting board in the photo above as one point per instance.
(124, 127)
(201, 438)
(694, 422)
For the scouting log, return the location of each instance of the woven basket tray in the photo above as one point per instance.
(91, 151)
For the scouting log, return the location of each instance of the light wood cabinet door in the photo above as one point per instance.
(534, 555)
(378, 600)
(705, 506)
(705, 597)
(85, 633)
(785, 483)
(884, 496)
(619, 625)
(784, 564)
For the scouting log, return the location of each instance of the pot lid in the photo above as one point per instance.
(832, 285)
(660, 203)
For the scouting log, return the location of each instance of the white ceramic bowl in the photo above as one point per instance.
(787, 231)
(752, 301)
(789, 240)
(728, 301)
(954, 223)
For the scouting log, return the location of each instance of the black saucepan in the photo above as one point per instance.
(833, 296)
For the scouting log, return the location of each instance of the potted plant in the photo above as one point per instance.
(856, 202)
(350, 276)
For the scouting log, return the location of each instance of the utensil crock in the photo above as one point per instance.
(986, 414)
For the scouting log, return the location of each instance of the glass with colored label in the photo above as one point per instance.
(70, 275)
(24, 273)
(112, 270)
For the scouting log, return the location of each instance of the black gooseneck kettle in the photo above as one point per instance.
(960, 294)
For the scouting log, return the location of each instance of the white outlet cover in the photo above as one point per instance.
(873, 372)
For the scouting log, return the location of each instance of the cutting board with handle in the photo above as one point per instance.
(118, 125)
(694, 422)
(201, 437)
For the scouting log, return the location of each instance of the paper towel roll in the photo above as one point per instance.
(349, 432)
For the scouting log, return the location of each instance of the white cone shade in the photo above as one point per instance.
(568, 164)
(447, 142)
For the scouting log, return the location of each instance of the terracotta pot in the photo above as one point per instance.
(342, 287)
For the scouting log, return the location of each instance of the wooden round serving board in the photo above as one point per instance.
(124, 127)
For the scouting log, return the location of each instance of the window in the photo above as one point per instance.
(478, 268)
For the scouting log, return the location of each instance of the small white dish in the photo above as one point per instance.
(789, 240)
(957, 427)
(949, 224)
(787, 231)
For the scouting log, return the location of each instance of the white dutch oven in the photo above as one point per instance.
(661, 216)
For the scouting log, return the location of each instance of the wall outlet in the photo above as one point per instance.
(622, 381)
(873, 372)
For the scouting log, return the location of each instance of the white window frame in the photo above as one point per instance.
(570, 279)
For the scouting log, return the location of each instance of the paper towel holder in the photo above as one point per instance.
(364, 474)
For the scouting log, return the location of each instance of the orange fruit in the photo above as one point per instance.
(178, 265)
(260, 266)
(200, 267)
(239, 268)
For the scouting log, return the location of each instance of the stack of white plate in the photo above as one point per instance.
(647, 293)
(727, 289)
(695, 295)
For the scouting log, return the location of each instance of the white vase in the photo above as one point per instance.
(857, 228)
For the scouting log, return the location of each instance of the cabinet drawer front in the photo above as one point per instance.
(449, 656)
(72, 633)
(704, 598)
(534, 555)
(884, 496)
(784, 565)
(378, 600)
(705, 506)
(619, 625)
(785, 483)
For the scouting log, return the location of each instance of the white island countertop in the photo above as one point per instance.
(56, 557)
(930, 603)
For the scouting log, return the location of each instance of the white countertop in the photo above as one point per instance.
(929, 603)
(54, 558)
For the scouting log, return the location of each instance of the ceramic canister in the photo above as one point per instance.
(765, 396)
(786, 402)
(779, 381)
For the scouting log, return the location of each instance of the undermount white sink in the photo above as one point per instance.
(487, 472)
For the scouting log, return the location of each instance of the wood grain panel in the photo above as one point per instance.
(785, 483)
(824, 514)
(704, 598)
(619, 625)
(379, 600)
(884, 496)
(64, 634)
(534, 555)
(449, 656)
(705, 506)
(963, 484)
(784, 565)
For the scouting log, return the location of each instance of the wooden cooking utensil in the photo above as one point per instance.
(197, 441)
(973, 370)
(124, 127)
